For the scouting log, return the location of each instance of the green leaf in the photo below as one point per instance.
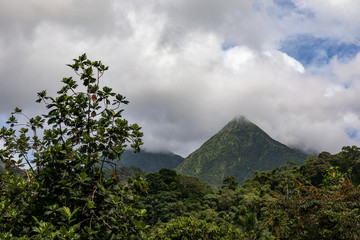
(65, 183)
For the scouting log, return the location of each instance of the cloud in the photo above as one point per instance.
(18, 17)
(188, 67)
(334, 18)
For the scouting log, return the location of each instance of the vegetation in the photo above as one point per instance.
(239, 149)
(71, 188)
(64, 193)
(282, 203)
(192, 228)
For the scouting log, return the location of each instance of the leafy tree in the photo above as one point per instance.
(231, 182)
(348, 161)
(192, 187)
(252, 228)
(318, 213)
(315, 167)
(64, 193)
(190, 228)
(171, 195)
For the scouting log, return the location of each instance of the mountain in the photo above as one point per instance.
(148, 161)
(239, 149)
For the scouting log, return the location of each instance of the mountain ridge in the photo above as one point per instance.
(238, 149)
(150, 161)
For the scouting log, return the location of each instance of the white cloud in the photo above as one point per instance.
(285, 60)
(239, 58)
(335, 18)
(347, 73)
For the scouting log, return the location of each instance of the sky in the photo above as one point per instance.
(188, 67)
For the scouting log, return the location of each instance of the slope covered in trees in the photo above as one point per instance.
(276, 204)
(239, 149)
(149, 161)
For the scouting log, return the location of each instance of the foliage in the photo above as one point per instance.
(171, 195)
(282, 203)
(64, 193)
(318, 213)
(347, 161)
(231, 182)
(189, 228)
(239, 149)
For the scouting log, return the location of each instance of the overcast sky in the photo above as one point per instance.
(188, 67)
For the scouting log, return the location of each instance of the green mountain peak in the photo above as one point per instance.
(238, 149)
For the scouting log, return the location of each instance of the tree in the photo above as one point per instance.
(64, 191)
(171, 195)
(231, 182)
(330, 212)
(193, 229)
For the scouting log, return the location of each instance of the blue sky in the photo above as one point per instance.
(310, 50)
(190, 66)
(353, 133)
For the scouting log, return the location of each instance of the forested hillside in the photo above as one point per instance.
(318, 200)
(149, 161)
(239, 149)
